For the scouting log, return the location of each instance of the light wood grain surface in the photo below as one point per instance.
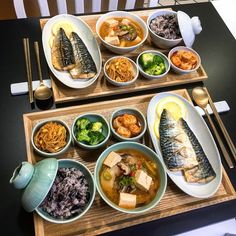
(174, 201)
(102, 88)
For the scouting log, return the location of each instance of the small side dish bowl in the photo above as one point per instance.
(159, 41)
(184, 67)
(135, 150)
(90, 195)
(121, 14)
(62, 131)
(128, 124)
(133, 70)
(153, 64)
(90, 131)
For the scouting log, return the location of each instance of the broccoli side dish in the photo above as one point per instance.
(89, 132)
(152, 64)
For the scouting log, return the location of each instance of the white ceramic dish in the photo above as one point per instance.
(177, 69)
(202, 132)
(84, 31)
(121, 84)
(121, 14)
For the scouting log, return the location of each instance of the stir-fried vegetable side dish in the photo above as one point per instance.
(89, 132)
(51, 137)
(129, 178)
(152, 64)
(121, 32)
(120, 70)
(127, 125)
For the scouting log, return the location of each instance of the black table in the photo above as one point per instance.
(217, 48)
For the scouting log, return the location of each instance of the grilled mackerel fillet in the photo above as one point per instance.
(182, 151)
(176, 147)
(62, 52)
(203, 172)
(85, 67)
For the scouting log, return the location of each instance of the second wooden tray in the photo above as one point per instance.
(98, 219)
(103, 88)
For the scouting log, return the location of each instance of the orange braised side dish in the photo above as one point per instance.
(127, 125)
(120, 69)
(184, 60)
(51, 137)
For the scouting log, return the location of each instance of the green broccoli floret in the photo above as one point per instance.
(82, 123)
(96, 137)
(83, 136)
(157, 60)
(154, 70)
(97, 126)
(146, 60)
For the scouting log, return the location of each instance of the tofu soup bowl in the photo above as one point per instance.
(121, 32)
(130, 177)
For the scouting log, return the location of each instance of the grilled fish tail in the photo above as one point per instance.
(85, 67)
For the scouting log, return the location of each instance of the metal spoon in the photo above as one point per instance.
(201, 98)
(42, 92)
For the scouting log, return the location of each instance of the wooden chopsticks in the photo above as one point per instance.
(28, 68)
(222, 126)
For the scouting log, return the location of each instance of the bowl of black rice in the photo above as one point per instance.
(71, 195)
(164, 29)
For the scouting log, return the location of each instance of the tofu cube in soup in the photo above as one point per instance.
(142, 180)
(127, 200)
(112, 159)
(114, 40)
(111, 23)
(125, 21)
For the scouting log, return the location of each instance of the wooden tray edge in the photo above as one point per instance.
(59, 100)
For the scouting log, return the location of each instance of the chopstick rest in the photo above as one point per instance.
(221, 106)
(22, 88)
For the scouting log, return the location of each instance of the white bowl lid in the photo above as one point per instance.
(189, 27)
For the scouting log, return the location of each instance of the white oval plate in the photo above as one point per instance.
(204, 136)
(85, 33)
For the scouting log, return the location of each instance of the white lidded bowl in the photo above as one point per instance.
(121, 14)
(189, 27)
(121, 84)
(147, 76)
(179, 70)
(159, 41)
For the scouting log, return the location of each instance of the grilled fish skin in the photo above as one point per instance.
(62, 52)
(66, 51)
(85, 67)
(176, 147)
(203, 173)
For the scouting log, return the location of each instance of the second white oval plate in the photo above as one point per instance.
(85, 33)
(204, 136)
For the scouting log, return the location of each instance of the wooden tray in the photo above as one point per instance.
(173, 202)
(103, 88)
